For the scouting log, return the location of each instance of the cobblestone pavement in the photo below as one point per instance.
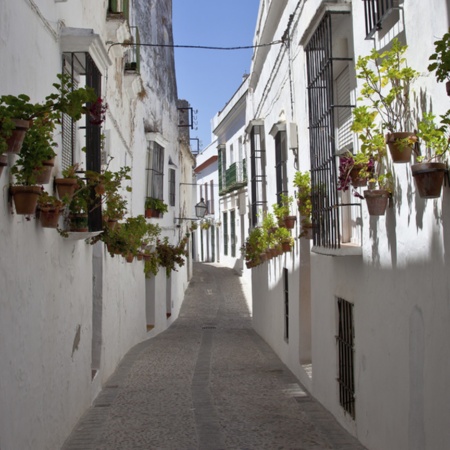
(208, 382)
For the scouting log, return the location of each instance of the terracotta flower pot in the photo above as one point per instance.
(25, 198)
(289, 222)
(49, 217)
(429, 178)
(286, 247)
(44, 173)
(152, 213)
(129, 258)
(66, 187)
(15, 141)
(357, 181)
(377, 201)
(400, 152)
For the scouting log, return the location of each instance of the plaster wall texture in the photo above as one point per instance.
(46, 312)
(398, 286)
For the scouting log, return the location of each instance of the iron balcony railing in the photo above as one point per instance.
(375, 12)
(235, 177)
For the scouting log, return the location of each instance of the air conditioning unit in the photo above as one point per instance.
(293, 136)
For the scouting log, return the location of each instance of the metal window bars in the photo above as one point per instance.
(345, 342)
(375, 12)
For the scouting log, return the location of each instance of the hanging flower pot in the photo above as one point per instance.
(357, 180)
(15, 141)
(286, 246)
(25, 198)
(129, 257)
(66, 187)
(49, 217)
(401, 146)
(429, 178)
(44, 173)
(3, 162)
(289, 222)
(377, 201)
(152, 213)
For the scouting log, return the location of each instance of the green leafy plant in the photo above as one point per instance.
(283, 209)
(434, 138)
(48, 201)
(441, 58)
(254, 246)
(302, 181)
(387, 83)
(156, 204)
(170, 256)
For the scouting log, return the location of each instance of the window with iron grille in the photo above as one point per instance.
(345, 344)
(258, 172)
(155, 170)
(81, 64)
(206, 198)
(119, 7)
(222, 165)
(329, 122)
(211, 190)
(172, 187)
(132, 57)
(225, 233)
(233, 232)
(280, 164)
(286, 303)
(375, 12)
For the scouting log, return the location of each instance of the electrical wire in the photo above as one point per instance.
(199, 47)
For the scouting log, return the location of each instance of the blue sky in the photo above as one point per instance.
(208, 78)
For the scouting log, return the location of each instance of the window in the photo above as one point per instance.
(155, 170)
(329, 122)
(233, 232)
(211, 189)
(80, 65)
(375, 12)
(132, 57)
(231, 154)
(286, 303)
(258, 171)
(172, 187)
(222, 167)
(207, 199)
(225, 233)
(119, 7)
(278, 131)
(345, 343)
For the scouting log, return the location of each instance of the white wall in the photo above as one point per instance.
(46, 308)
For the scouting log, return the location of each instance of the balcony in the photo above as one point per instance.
(235, 177)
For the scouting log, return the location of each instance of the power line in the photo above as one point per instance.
(200, 47)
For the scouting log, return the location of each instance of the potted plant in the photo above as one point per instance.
(284, 239)
(441, 60)
(154, 207)
(282, 212)
(387, 81)
(49, 210)
(205, 225)
(377, 199)
(302, 181)
(254, 248)
(79, 207)
(169, 256)
(66, 186)
(430, 169)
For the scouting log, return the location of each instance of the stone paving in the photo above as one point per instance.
(208, 382)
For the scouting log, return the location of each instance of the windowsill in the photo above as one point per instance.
(345, 250)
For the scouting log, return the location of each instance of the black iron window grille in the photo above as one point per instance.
(172, 187)
(345, 342)
(323, 122)
(233, 233)
(155, 170)
(222, 166)
(258, 173)
(82, 64)
(375, 12)
(280, 164)
(225, 233)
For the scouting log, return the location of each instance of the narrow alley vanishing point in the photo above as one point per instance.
(208, 382)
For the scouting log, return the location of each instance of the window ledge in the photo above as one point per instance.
(345, 250)
(80, 235)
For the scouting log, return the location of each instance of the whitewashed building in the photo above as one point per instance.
(69, 311)
(360, 313)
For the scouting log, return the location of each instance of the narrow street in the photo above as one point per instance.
(208, 382)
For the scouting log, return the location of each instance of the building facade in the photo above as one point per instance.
(359, 311)
(73, 311)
